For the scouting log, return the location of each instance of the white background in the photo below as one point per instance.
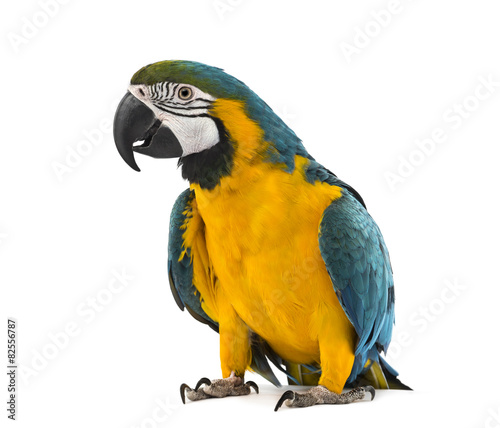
(63, 235)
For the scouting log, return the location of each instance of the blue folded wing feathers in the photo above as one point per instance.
(358, 263)
(180, 267)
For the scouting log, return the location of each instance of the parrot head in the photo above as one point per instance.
(201, 115)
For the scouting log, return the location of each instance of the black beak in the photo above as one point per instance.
(135, 121)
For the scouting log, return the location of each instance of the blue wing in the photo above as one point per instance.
(358, 263)
(180, 267)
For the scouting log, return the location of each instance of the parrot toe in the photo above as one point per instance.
(202, 381)
(288, 395)
(193, 394)
(219, 388)
(371, 390)
(321, 395)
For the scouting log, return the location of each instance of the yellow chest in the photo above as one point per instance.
(262, 241)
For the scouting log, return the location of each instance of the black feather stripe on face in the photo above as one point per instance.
(206, 168)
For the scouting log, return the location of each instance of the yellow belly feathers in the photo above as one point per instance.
(263, 245)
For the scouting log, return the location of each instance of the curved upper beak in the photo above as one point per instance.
(135, 121)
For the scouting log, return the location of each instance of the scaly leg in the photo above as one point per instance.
(321, 395)
(235, 357)
(337, 341)
(218, 388)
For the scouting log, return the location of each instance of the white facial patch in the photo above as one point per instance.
(195, 134)
(184, 109)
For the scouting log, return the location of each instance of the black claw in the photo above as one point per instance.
(371, 390)
(253, 385)
(183, 389)
(202, 381)
(288, 395)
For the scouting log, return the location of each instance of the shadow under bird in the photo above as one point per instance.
(267, 246)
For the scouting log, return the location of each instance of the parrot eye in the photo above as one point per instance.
(185, 93)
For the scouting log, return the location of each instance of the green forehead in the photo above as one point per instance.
(211, 80)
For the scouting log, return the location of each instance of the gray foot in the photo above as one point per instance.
(321, 395)
(219, 388)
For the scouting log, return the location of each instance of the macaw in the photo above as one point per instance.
(266, 246)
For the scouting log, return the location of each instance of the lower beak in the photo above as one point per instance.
(135, 121)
